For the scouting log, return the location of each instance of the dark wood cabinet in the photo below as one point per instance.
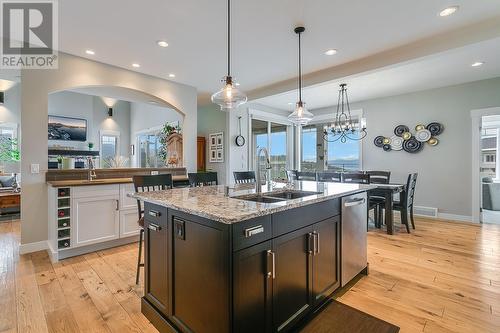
(260, 275)
(252, 289)
(292, 285)
(326, 258)
(156, 288)
(201, 153)
(200, 276)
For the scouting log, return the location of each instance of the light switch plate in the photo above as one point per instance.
(35, 168)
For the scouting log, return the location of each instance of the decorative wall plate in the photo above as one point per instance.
(419, 127)
(435, 128)
(412, 145)
(387, 141)
(433, 141)
(423, 135)
(407, 136)
(379, 141)
(386, 147)
(400, 129)
(396, 142)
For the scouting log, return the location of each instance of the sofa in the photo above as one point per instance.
(491, 196)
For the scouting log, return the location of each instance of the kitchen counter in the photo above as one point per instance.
(210, 201)
(107, 181)
(244, 256)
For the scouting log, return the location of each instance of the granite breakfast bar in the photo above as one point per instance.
(247, 262)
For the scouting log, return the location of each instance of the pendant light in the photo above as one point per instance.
(344, 128)
(229, 97)
(300, 116)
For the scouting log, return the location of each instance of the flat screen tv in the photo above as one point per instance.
(67, 129)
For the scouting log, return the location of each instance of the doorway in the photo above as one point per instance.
(486, 165)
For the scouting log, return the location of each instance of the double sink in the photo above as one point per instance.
(272, 197)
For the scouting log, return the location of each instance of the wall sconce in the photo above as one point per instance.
(110, 112)
(2, 97)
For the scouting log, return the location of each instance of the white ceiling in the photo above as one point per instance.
(439, 70)
(264, 46)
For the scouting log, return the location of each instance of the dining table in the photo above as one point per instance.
(387, 191)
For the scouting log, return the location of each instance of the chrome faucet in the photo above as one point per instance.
(258, 181)
(90, 163)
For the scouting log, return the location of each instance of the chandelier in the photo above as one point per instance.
(344, 127)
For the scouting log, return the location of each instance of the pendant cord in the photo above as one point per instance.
(228, 37)
(300, 71)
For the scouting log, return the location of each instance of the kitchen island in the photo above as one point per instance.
(248, 262)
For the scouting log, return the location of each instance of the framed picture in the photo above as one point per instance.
(212, 140)
(213, 155)
(220, 139)
(220, 155)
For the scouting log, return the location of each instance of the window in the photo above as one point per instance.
(274, 137)
(489, 158)
(149, 149)
(109, 150)
(318, 154)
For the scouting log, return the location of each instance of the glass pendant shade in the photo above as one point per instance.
(300, 116)
(229, 97)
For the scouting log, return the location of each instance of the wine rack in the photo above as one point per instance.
(63, 217)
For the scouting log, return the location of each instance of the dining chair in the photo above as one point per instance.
(291, 175)
(377, 202)
(147, 183)
(306, 175)
(328, 176)
(202, 179)
(379, 177)
(355, 178)
(244, 177)
(405, 203)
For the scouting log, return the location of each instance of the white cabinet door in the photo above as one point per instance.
(128, 223)
(95, 219)
(125, 201)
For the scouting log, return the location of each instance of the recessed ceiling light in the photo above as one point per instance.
(331, 52)
(90, 52)
(171, 75)
(448, 11)
(162, 43)
(136, 65)
(477, 64)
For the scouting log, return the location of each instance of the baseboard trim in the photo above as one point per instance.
(33, 247)
(453, 217)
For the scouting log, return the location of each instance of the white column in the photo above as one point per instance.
(497, 157)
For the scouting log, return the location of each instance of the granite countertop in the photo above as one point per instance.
(103, 181)
(210, 201)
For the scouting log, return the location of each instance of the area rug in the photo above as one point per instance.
(340, 318)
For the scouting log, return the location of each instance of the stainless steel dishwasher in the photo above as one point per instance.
(354, 218)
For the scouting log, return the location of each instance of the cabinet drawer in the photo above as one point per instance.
(154, 213)
(251, 232)
(297, 218)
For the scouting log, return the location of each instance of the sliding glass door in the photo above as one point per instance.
(273, 136)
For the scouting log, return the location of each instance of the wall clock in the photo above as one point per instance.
(239, 140)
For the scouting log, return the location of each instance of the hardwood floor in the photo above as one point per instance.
(444, 277)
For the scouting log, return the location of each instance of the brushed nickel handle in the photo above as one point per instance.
(154, 213)
(253, 231)
(154, 227)
(355, 202)
(273, 266)
(317, 241)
